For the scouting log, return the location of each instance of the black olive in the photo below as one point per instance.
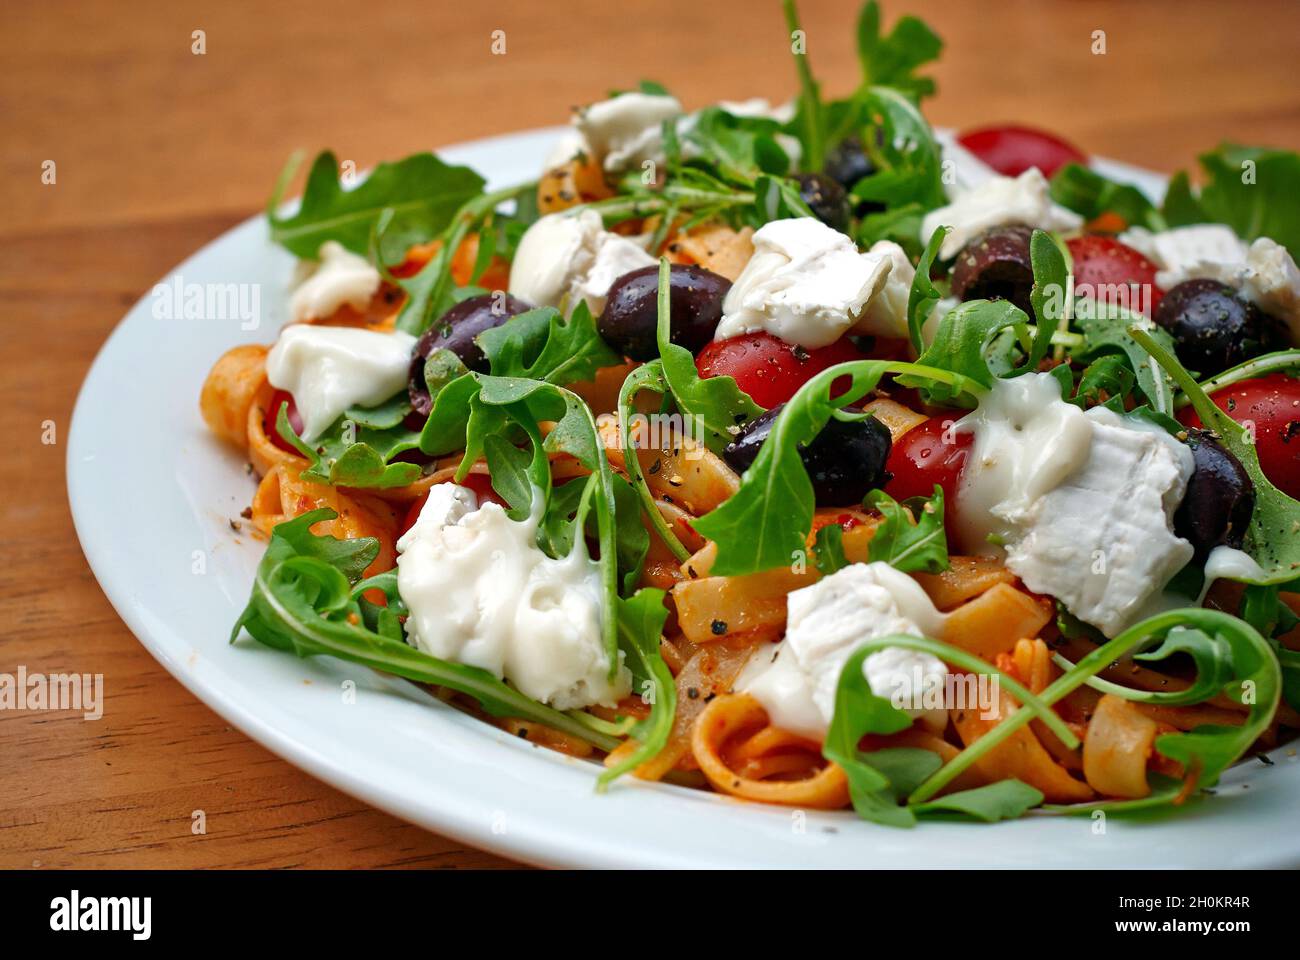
(1219, 500)
(845, 462)
(631, 315)
(455, 330)
(996, 266)
(1213, 328)
(847, 163)
(826, 199)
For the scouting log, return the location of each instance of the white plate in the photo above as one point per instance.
(153, 494)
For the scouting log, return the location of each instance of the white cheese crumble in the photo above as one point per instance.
(481, 592)
(806, 283)
(329, 369)
(573, 256)
(627, 130)
(340, 277)
(998, 202)
(886, 313)
(1209, 251)
(1082, 502)
(962, 170)
(796, 680)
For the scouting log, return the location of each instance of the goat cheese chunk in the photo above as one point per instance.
(1271, 280)
(994, 203)
(339, 277)
(806, 283)
(481, 592)
(962, 170)
(1082, 503)
(329, 369)
(567, 257)
(627, 130)
(1209, 251)
(796, 680)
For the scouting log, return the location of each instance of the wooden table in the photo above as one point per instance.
(158, 150)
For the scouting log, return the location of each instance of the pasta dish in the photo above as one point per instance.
(802, 453)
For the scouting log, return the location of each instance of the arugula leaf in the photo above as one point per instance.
(349, 454)
(1050, 294)
(306, 600)
(892, 60)
(719, 405)
(908, 544)
(1106, 329)
(432, 291)
(1251, 189)
(962, 346)
(765, 523)
(1271, 538)
(1089, 194)
(740, 149)
(810, 120)
(648, 376)
(908, 158)
(542, 345)
(776, 198)
(880, 781)
(1219, 643)
(828, 549)
(1105, 380)
(1003, 800)
(924, 294)
(640, 628)
(421, 191)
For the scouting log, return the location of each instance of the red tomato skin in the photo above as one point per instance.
(1272, 403)
(1101, 261)
(925, 455)
(273, 413)
(480, 483)
(1012, 150)
(770, 370)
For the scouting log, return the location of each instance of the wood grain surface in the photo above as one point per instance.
(158, 150)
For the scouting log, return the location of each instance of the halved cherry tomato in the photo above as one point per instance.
(928, 454)
(771, 371)
(273, 412)
(1272, 404)
(480, 483)
(1114, 273)
(1013, 150)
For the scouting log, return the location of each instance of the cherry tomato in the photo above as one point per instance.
(480, 483)
(770, 370)
(1013, 150)
(1272, 404)
(273, 412)
(1114, 273)
(928, 454)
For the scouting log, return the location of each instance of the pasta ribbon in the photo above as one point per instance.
(283, 495)
(737, 748)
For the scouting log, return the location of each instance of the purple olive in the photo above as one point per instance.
(846, 164)
(996, 266)
(456, 330)
(1219, 500)
(1212, 327)
(826, 199)
(631, 315)
(845, 462)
